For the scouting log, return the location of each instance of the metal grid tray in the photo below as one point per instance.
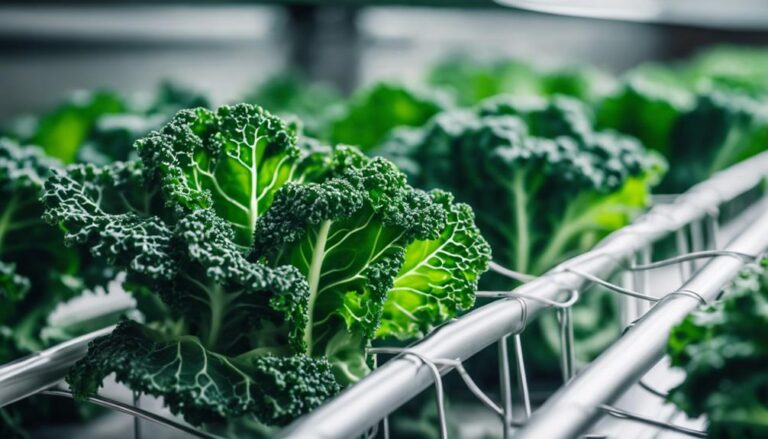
(361, 409)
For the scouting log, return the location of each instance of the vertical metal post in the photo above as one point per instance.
(627, 305)
(324, 43)
(136, 420)
(643, 281)
(682, 249)
(697, 241)
(567, 354)
(522, 377)
(506, 387)
(713, 230)
(385, 424)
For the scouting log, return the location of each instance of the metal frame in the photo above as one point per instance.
(37, 372)
(578, 405)
(358, 407)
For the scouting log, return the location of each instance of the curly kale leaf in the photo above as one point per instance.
(544, 184)
(232, 160)
(22, 172)
(225, 310)
(348, 236)
(438, 278)
(190, 261)
(36, 270)
(333, 229)
(723, 350)
(203, 385)
(108, 210)
(373, 112)
(214, 299)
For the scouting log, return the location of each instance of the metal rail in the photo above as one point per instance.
(37, 372)
(572, 409)
(353, 411)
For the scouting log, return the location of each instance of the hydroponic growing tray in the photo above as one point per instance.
(693, 218)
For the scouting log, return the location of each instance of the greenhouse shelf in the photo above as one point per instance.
(359, 409)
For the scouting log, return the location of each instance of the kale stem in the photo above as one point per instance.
(552, 252)
(218, 301)
(5, 218)
(313, 278)
(523, 244)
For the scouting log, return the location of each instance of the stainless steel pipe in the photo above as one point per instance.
(571, 410)
(39, 371)
(397, 381)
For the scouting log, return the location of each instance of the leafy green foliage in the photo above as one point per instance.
(290, 94)
(36, 270)
(233, 160)
(722, 130)
(733, 68)
(37, 273)
(647, 106)
(217, 300)
(472, 81)
(703, 115)
(373, 112)
(272, 335)
(544, 184)
(61, 132)
(548, 186)
(723, 350)
(203, 385)
(439, 276)
(101, 126)
(366, 241)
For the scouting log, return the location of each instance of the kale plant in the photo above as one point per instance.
(545, 185)
(275, 264)
(723, 350)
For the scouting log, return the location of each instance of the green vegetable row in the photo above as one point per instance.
(266, 256)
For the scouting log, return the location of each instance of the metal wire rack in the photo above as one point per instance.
(693, 219)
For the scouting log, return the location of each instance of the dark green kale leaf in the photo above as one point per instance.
(723, 349)
(282, 330)
(382, 259)
(232, 160)
(37, 271)
(202, 385)
(223, 309)
(244, 320)
(545, 186)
